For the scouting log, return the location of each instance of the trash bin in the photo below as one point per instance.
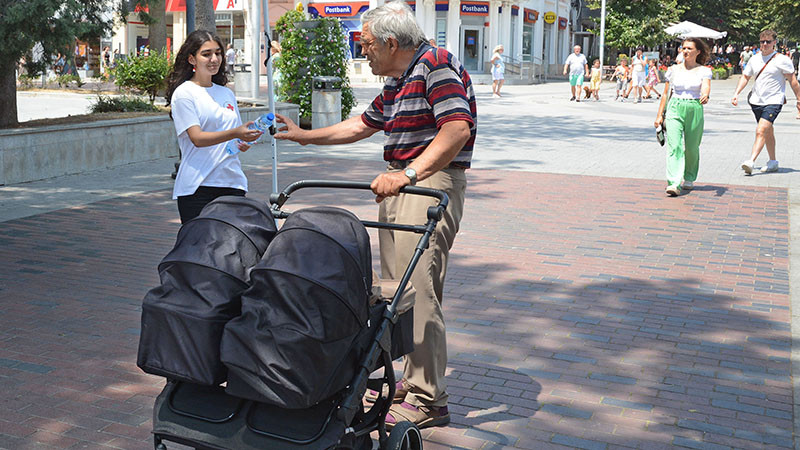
(326, 101)
(242, 80)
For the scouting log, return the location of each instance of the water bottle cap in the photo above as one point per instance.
(270, 116)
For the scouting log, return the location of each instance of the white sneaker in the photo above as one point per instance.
(673, 191)
(772, 166)
(747, 166)
(687, 186)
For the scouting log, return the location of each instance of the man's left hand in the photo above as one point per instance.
(388, 184)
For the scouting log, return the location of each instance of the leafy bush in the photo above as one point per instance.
(145, 73)
(309, 49)
(25, 81)
(121, 104)
(65, 79)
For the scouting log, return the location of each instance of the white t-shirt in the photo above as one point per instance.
(230, 57)
(770, 87)
(637, 64)
(687, 83)
(577, 63)
(213, 109)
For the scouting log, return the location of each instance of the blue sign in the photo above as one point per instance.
(475, 9)
(338, 9)
(470, 40)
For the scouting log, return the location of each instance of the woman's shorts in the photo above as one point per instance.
(768, 112)
(576, 80)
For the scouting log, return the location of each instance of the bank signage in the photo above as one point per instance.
(343, 9)
(549, 17)
(474, 8)
(337, 10)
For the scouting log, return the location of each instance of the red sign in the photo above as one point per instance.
(531, 15)
(562, 23)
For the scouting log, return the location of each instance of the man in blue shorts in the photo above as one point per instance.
(577, 65)
(771, 70)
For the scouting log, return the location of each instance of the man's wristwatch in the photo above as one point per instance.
(411, 174)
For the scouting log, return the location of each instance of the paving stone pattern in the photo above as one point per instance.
(583, 312)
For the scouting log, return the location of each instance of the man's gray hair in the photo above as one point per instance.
(396, 20)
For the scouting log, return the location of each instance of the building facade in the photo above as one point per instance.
(534, 33)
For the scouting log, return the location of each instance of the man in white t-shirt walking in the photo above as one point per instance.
(771, 70)
(577, 65)
(230, 58)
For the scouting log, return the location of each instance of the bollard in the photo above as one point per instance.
(242, 80)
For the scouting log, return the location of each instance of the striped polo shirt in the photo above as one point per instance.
(434, 90)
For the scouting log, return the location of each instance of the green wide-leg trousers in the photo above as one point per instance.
(684, 123)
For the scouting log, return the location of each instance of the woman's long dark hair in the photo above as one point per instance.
(701, 47)
(182, 70)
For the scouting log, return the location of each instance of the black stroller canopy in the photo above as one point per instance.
(309, 300)
(202, 280)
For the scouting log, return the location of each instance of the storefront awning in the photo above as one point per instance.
(219, 5)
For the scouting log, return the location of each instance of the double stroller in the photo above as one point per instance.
(267, 337)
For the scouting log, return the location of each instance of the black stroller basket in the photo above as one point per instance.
(208, 417)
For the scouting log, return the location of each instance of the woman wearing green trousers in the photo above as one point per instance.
(690, 83)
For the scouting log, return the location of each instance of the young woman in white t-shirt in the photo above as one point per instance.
(690, 82)
(206, 118)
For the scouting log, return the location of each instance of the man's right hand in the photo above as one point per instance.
(290, 131)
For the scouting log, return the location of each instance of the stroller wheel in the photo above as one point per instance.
(404, 436)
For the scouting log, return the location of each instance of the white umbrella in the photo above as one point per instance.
(688, 29)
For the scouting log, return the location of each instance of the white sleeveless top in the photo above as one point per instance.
(686, 84)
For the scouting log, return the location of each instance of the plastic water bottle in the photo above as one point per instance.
(261, 124)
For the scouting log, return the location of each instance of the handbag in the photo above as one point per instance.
(750, 94)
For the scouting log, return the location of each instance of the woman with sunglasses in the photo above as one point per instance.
(771, 70)
(690, 82)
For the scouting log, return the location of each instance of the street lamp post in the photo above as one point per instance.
(602, 34)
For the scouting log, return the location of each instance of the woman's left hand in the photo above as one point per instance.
(703, 99)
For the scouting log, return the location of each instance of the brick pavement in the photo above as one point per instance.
(583, 312)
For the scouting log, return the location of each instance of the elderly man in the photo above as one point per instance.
(771, 71)
(430, 148)
(577, 65)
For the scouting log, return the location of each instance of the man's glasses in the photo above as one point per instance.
(767, 41)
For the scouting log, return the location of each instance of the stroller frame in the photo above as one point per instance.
(348, 405)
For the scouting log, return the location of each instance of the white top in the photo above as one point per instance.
(230, 56)
(577, 63)
(213, 109)
(686, 84)
(770, 87)
(637, 64)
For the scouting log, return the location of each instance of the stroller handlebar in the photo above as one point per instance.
(434, 212)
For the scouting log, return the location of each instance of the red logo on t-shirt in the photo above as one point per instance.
(229, 106)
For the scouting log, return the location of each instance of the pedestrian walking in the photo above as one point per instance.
(595, 79)
(621, 74)
(206, 118)
(498, 68)
(690, 82)
(432, 149)
(771, 71)
(638, 75)
(230, 58)
(652, 79)
(577, 65)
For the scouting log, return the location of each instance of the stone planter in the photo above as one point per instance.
(29, 154)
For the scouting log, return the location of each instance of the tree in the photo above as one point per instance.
(55, 24)
(634, 23)
(151, 13)
(204, 18)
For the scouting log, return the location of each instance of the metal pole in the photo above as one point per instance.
(189, 16)
(270, 93)
(255, 48)
(602, 34)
